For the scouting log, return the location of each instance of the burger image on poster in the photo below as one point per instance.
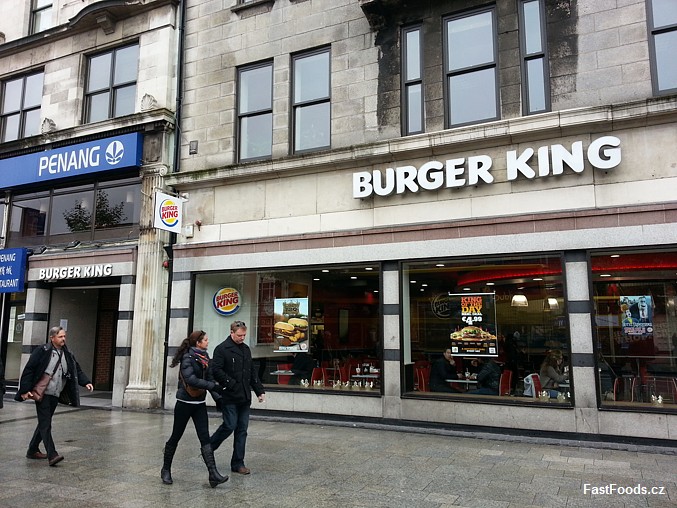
(293, 331)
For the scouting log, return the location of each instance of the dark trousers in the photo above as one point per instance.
(235, 420)
(184, 412)
(43, 432)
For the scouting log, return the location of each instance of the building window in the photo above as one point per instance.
(311, 100)
(535, 74)
(21, 102)
(481, 327)
(95, 211)
(319, 324)
(41, 15)
(255, 111)
(111, 84)
(636, 327)
(662, 18)
(412, 81)
(471, 79)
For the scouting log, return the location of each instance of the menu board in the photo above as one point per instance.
(473, 324)
(636, 315)
(290, 331)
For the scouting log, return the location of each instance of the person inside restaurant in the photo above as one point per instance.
(551, 373)
(488, 378)
(302, 368)
(442, 370)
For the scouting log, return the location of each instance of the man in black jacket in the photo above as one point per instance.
(53, 359)
(232, 367)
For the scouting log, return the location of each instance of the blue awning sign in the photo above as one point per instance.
(12, 270)
(107, 154)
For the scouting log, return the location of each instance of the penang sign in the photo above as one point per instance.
(12, 270)
(603, 153)
(95, 156)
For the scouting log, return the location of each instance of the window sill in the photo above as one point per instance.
(263, 6)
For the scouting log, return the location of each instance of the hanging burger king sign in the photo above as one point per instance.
(226, 301)
(168, 212)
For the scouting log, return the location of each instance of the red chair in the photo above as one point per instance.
(505, 383)
(332, 374)
(317, 375)
(283, 379)
(422, 374)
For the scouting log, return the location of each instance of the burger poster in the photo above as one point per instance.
(473, 331)
(290, 331)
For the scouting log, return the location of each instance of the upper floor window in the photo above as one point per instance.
(111, 84)
(21, 102)
(41, 15)
(412, 81)
(311, 100)
(662, 18)
(470, 65)
(535, 75)
(255, 111)
(92, 211)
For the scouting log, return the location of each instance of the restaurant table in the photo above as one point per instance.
(282, 373)
(466, 382)
(365, 376)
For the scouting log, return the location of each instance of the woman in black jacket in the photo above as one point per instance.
(194, 378)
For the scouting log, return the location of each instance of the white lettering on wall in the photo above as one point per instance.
(68, 161)
(75, 272)
(602, 153)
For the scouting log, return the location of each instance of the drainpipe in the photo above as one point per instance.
(175, 168)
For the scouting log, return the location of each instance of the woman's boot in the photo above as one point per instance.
(166, 472)
(214, 476)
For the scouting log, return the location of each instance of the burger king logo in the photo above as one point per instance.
(227, 301)
(169, 212)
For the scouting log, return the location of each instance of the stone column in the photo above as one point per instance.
(392, 353)
(579, 306)
(148, 329)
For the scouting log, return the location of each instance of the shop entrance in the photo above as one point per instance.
(90, 317)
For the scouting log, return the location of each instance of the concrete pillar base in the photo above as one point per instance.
(141, 398)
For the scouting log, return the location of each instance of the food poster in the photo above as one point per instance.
(636, 315)
(473, 329)
(290, 330)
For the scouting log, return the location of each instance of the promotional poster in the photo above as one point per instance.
(290, 330)
(636, 315)
(473, 318)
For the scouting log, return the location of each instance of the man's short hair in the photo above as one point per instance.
(236, 325)
(54, 331)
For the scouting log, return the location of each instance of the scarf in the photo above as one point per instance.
(201, 356)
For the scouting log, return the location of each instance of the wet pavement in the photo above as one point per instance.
(113, 459)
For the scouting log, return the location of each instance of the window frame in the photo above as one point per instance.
(22, 111)
(112, 87)
(653, 32)
(407, 83)
(254, 112)
(36, 12)
(527, 57)
(447, 74)
(296, 106)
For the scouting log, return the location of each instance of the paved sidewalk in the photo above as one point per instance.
(113, 459)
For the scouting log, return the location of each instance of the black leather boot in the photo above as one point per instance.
(214, 476)
(166, 472)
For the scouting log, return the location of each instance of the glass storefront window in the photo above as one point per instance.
(28, 217)
(479, 327)
(315, 328)
(636, 327)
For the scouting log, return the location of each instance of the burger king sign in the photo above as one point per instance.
(226, 301)
(168, 212)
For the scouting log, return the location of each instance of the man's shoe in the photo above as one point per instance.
(36, 455)
(55, 460)
(241, 470)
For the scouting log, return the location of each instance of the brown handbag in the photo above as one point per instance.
(196, 393)
(38, 390)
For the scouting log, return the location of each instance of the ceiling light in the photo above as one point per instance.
(615, 256)
(466, 289)
(439, 265)
(316, 278)
(353, 277)
(368, 268)
(519, 300)
(325, 271)
(491, 283)
(537, 278)
(424, 285)
(605, 275)
(413, 281)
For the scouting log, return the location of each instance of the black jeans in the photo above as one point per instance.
(184, 412)
(43, 432)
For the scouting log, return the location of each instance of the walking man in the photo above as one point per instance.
(233, 370)
(55, 359)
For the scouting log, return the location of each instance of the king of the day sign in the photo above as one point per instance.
(473, 324)
(602, 153)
